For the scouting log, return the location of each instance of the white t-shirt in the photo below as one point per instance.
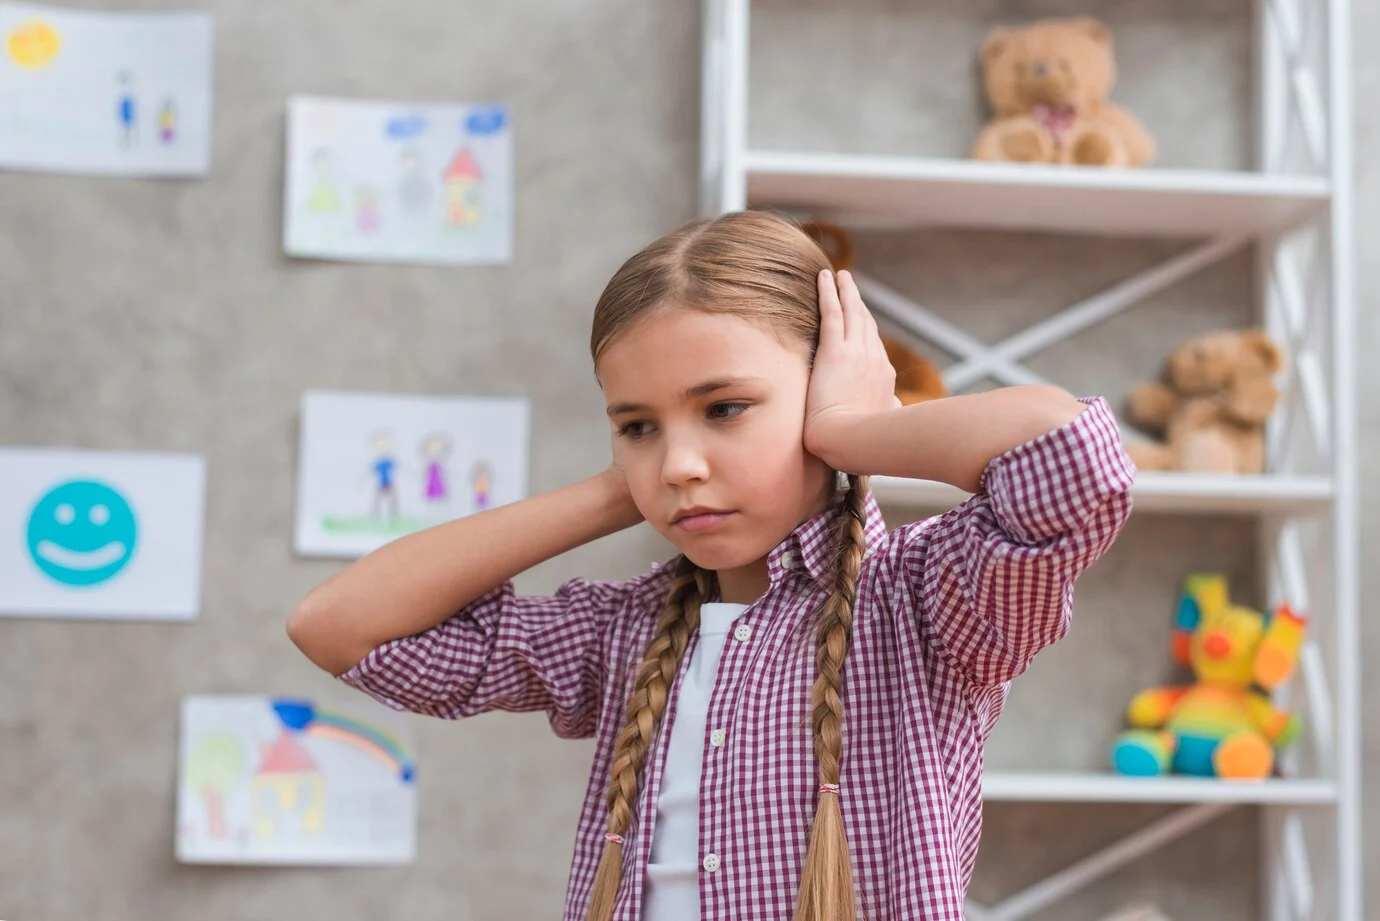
(672, 890)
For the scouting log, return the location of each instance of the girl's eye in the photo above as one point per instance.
(722, 412)
(634, 430)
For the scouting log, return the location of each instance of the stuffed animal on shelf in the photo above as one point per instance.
(1211, 408)
(917, 378)
(1047, 85)
(1219, 726)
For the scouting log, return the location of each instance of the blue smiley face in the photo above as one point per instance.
(82, 533)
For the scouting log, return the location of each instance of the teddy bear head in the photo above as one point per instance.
(1057, 63)
(1232, 645)
(1238, 365)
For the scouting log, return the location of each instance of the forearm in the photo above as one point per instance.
(418, 581)
(950, 440)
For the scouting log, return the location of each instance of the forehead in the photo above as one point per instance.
(678, 348)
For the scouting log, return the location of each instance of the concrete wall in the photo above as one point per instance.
(163, 316)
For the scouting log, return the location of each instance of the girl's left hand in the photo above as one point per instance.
(851, 375)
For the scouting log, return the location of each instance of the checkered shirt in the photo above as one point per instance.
(949, 611)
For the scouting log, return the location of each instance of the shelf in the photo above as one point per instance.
(1092, 787)
(1038, 197)
(1176, 493)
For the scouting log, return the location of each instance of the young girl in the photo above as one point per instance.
(791, 715)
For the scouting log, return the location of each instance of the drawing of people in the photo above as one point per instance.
(481, 480)
(127, 110)
(167, 121)
(323, 196)
(414, 191)
(384, 468)
(366, 208)
(435, 449)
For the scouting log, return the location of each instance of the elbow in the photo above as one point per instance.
(308, 627)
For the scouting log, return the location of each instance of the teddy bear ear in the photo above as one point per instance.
(1094, 29)
(996, 43)
(1265, 347)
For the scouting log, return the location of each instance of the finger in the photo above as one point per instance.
(857, 317)
(831, 322)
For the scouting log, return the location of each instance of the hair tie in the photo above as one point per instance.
(829, 788)
(611, 838)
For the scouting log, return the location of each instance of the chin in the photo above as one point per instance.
(716, 553)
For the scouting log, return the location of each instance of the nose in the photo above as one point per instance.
(1040, 69)
(1217, 646)
(685, 461)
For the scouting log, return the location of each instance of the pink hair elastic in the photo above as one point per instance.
(611, 838)
(829, 788)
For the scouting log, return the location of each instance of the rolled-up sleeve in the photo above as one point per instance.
(505, 651)
(993, 578)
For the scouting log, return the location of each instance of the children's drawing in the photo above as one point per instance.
(167, 121)
(481, 481)
(323, 197)
(276, 780)
(367, 209)
(463, 190)
(434, 451)
(414, 189)
(100, 534)
(128, 110)
(93, 92)
(374, 467)
(383, 468)
(430, 183)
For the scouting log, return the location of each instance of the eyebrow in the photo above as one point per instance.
(691, 393)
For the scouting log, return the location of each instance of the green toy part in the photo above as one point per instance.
(1221, 725)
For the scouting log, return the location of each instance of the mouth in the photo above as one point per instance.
(80, 559)
(699, 519)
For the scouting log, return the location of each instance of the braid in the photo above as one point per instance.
(826, 884)
(651, 690)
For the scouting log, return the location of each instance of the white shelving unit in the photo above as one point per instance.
(1294, 212)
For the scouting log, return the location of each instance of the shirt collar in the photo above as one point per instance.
(813, 545)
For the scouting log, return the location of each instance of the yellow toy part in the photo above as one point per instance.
(1221, 725)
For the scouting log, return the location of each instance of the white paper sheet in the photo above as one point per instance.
(101, 534)
(267, 780)
(374, 467)
(105, 93)
(398, 182)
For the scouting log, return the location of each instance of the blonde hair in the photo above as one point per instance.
(763, 268)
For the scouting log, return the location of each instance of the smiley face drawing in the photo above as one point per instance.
(82, 533)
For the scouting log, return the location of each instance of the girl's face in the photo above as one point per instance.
(708, 416)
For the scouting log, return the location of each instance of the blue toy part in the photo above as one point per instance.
(1142, 753)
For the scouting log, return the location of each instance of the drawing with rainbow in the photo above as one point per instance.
(303, 716)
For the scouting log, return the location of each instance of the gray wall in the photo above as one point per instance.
(149, 315)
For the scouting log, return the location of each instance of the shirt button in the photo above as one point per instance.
(717, 738)
(742, 633)
(711, 863)
(790, 560)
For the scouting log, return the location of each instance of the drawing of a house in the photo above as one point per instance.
(287, 786)
(462, 182)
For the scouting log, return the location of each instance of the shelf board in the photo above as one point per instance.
(1177, 493)
(1034, 197)
(1093, 787)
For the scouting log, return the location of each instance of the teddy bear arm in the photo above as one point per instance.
(1139, 146)
(1252, 402)
(1014, 138)
(1151, 708)
(1151, 404)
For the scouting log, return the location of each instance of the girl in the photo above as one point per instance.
(791, 715)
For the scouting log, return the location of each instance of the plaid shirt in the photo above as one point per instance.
(949, 610)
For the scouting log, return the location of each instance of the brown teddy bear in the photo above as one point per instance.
(917, 378)
(1047, 84)
(1212, 407)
